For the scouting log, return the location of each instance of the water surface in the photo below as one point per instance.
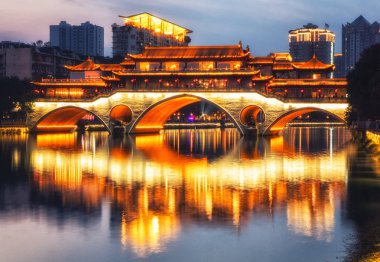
(186, 195)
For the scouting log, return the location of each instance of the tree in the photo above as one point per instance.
(364, 87)
(16, 98)
(187, 39)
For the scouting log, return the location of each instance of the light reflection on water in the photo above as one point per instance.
(152, 193)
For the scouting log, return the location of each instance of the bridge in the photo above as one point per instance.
(146, 111)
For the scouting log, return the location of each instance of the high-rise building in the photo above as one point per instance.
(84, 39)
(60, 35)
(357, 36)
(310, 40)
(145, 29)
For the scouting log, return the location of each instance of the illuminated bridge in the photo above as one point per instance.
(148, 111)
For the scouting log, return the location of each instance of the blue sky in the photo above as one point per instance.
(261, 24)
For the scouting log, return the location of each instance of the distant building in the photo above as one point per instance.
(60, 35)
(309, 40)
(84, 39)
(144, 29)
(339, 66)
(357, 36)
(32, 62)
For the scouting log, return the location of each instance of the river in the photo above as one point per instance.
(188, 195)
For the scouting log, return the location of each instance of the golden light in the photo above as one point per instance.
(277, 126)
(155, 118)
(157, 25)
(121, 113)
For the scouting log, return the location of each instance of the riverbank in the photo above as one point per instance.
(14, 130)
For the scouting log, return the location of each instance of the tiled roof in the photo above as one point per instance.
(191, 52)
(87, 65)
(312, 64)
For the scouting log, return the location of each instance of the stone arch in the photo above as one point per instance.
(154, 117)
(121, 113)
(63, 119)
(251, 114)
(278, 125)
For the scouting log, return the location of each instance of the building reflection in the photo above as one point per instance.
(159, 184)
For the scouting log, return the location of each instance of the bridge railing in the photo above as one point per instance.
(108, 93)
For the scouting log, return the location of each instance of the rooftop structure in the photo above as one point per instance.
(145, 29)
(309, 40)
(156, 24)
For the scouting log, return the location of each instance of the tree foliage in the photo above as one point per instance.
(364, 86)
(16, 97)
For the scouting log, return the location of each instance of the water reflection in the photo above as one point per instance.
(159, 185)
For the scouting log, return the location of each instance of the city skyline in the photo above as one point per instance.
(261, 26)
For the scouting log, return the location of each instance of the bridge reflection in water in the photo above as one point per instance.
(159, 184)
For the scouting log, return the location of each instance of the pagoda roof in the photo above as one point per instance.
(111, 67)
(87, 65)
(127, 62)
(313, 64)
(70, 82)
(263, 60)
(283, 66)
(192, 52)
(282, 57)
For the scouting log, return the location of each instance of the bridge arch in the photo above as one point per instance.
(64, 119)
(155, 116)
(121, 113)
(252, 115)
(278, 125)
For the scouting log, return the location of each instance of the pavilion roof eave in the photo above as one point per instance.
(262, 78)
(110, 79)
(305, 68)
(70, 84)
(313, 64)
(87, 65)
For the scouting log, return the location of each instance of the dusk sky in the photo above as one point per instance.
(261, 24)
